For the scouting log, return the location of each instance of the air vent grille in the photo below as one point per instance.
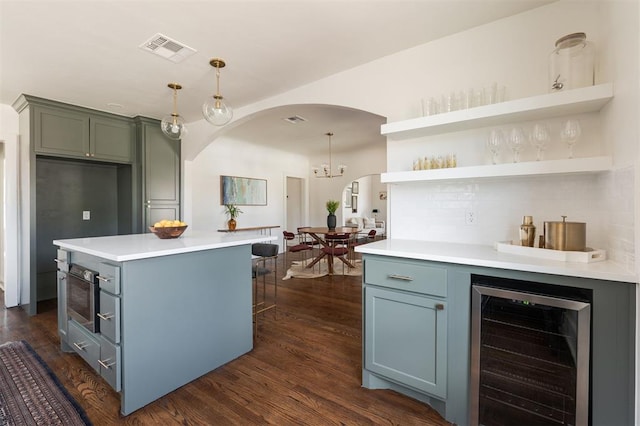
(168, 48)
(295, 119)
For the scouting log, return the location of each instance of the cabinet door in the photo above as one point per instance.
(161, 165)
(61, 132)
(112, 139)
(405, 339)
(153, 214)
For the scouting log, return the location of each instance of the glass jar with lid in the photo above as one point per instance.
(571, 64)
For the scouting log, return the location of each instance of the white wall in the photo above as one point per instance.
(232, 157)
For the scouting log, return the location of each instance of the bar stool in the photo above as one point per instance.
(264, 253)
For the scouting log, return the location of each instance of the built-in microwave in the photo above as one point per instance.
(83, 297)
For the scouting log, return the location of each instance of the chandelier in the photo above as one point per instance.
(326, 170)
(214, 109)
(173, 125)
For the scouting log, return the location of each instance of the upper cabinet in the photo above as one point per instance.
(160, 160)
(67, 131)
(577, 101)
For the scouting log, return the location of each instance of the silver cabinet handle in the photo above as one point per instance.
(105, 365)
(399, 277)
(59, 261)
(106, 317)
(80, 345)
(104, 279)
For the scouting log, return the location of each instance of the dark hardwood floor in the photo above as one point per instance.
(305, 368)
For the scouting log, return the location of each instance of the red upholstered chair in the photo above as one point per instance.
(338, 245)
(296, 247)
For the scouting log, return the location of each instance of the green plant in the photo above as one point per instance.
(332, 206)
(232, 210)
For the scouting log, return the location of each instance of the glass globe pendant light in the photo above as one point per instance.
(214, 109)
(173, 125)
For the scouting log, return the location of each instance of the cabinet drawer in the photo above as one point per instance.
(109, 278)
(110, 363)
(406, 275)
(109, 315)
(85, 344)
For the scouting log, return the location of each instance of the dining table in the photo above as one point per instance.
(319, 235)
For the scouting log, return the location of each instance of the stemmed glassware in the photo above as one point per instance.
(539, 137)
(494, 143)
(516, 142)
(570, 133)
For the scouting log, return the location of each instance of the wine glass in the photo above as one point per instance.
(539, 138)
(494, 142)
(570, 133)
(516, 142)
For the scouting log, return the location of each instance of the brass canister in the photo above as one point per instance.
(565, 236)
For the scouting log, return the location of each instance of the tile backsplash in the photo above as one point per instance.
(483, 211)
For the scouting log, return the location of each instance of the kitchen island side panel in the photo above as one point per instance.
(182, 316)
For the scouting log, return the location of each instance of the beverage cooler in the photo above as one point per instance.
(530, 353)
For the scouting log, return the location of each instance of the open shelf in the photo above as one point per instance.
(529, 168)
(576, 101)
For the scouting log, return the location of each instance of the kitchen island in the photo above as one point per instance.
(169, 311)
(419, 318)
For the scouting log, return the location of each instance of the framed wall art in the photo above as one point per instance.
(243, 191)
(354, 204)
(355, 187)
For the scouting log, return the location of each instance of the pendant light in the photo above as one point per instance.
(214, 109)
(173, 125)
(327, 171)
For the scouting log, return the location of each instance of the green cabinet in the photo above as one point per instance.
(405, 324)
(77, 133)
(160, 157)
(406, 339)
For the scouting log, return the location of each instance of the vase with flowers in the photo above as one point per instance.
(232, 211)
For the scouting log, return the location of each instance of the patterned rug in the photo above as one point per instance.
(299, 270)
(30, 394)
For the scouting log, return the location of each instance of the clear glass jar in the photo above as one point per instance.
(571, 64)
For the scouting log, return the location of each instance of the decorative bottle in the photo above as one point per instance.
(527, 232)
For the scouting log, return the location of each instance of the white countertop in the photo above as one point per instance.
(121, 248)
(487, 256)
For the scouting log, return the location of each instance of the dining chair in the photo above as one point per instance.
(264, 253)
(289, 237)
(338, 245)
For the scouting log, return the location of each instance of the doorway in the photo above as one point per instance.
(295, 203)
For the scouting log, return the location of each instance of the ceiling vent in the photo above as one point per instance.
(168, 48)
(295, 119)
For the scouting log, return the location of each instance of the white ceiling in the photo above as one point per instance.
(87, 53)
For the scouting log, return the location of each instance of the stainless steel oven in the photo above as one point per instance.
(83, 297)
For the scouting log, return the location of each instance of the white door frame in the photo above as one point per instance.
(304, 199)
(11, 223)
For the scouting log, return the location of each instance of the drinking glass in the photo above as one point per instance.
(570, 133)
(516, 142)
(494, 143)
(539, 137)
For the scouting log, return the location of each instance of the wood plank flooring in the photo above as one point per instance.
(305, 368)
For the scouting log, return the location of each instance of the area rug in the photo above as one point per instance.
(30, 394)
(299, 269)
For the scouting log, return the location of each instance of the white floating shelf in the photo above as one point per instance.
(529, 168)
(576, 101)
